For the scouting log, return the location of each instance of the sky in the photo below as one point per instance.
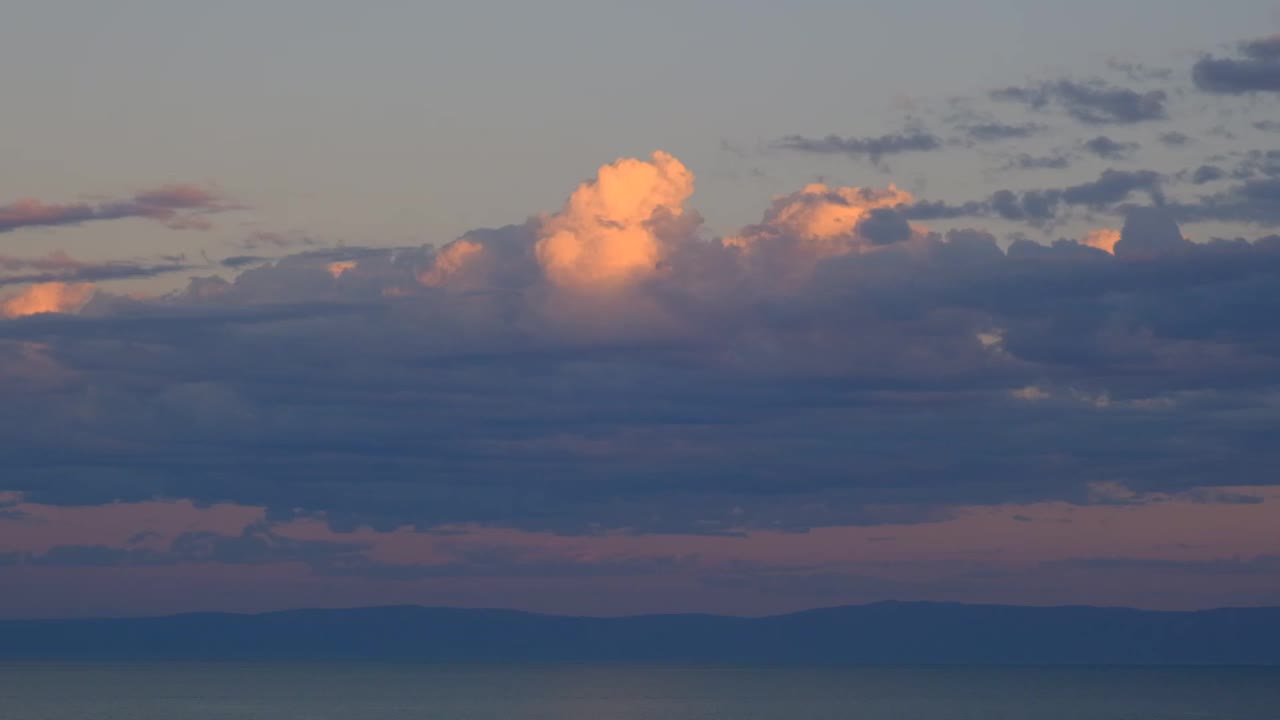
(601, 308)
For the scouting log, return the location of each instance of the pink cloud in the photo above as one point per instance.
(177, 206)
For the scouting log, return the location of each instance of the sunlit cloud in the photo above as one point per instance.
(1104, 239)
(604, 235)
(338, 268)
(822, 221)
(52, 297)
(450, 261)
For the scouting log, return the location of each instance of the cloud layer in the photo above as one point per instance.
(614, 365)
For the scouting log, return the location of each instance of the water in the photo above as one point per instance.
(226, 691)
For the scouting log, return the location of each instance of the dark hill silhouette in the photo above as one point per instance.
(881, 633)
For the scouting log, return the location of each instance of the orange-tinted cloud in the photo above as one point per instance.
(604, 236)
(450, 261)
(823, 220)
(1104, 239)
(51, 297)
(336, 269)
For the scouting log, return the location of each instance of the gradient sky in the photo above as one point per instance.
(605, 307)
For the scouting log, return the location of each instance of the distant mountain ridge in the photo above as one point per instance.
(886, 633)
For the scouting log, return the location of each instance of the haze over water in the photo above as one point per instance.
(214, 691)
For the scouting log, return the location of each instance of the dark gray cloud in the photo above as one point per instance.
(1258, 70)
(1262, 49)
(60, 267)
(1267, 125)
(884, 227)
(871, 148)
(1114, 186)
(236, 262)
(1237, 77)
(1108, 149)
(1025, 161)
(939, 210)
(996, 131)
(1252, 201)
(1041, 206)
(1207, 173)
(1093, 102)
(1174, 138)
(1258, 163)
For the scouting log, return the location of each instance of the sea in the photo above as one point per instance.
(368, 691)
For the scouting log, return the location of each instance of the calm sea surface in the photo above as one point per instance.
(224, 691)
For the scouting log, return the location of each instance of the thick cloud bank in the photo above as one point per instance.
(613, 365)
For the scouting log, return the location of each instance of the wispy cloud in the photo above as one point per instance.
(1093, 102)
(874, 148)
(177, 206)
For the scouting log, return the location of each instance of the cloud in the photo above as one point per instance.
(1174, 138)
(605, 234)
(338, 268)
(59, 267)
(637, 373)
(1257, 71)
(1092, 103)
(821, 221)
(1113, 186)
(1236, 77)
(1267, 48)
(1138, 72)
(873, 148)
(1108, 149)
(1252, 201)
(1104, 239)
(1024, 161)
(177, 206)
(1150, 231)
(51, 297)
(236, 262)
(257, 544)
(1207, 173)
(995, 131)
(1042, 206)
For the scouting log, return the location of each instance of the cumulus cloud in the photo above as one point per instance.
(178, 206)
(604, 235)
(821, 221)
(1149, 231)
(450, 262)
